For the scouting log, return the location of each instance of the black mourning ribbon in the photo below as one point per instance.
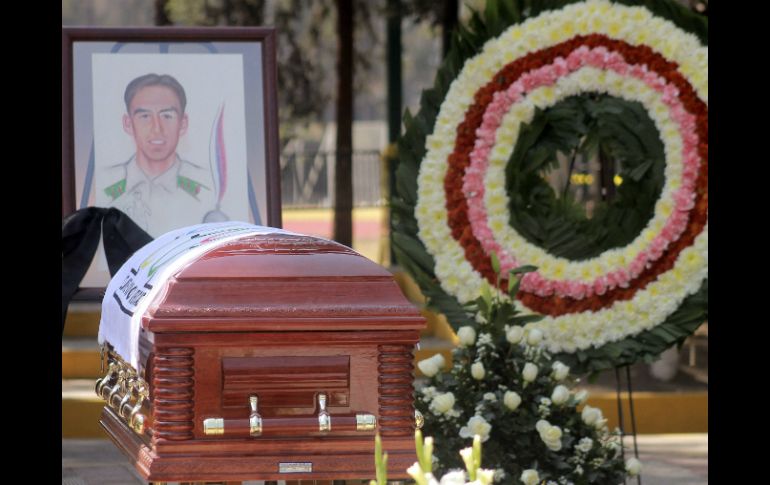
(80, 234)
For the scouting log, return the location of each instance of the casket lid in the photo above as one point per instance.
(280, 282)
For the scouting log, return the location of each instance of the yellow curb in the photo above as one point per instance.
(80, 417)
(657, 412)
(80, 364)
(82, 324)
(325, 214)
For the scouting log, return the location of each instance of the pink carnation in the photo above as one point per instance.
(684, 200)
(515, 90)
(637, 266)
(576, 290)
(529, 82)
(600, 285)
(638, 71)
(576, 60)
(622, 277)
(596, 57)
(560, 66)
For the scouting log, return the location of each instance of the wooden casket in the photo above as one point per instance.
(269, 357)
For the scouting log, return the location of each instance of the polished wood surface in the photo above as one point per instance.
(285, 381)
(286, 319)
(282, 282)
(173, 393)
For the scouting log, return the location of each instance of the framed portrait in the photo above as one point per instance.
(173, 126)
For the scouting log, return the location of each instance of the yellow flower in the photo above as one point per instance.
(502, 150)
(666, 207)
(497, 225)
(639, 14)
(548, 95)
(558, 269)
(613, 28)
(494, 184)
(496, 200)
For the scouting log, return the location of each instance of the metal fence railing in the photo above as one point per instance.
(307, 179)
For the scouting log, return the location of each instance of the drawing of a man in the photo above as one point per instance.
(157, 188)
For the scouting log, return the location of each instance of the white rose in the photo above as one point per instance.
(551, 435)
(456, 477)
(442, 403)
(429, 392)
(490, 396)
(581, 396)
(514, 334)
(467, 336)
(530, 372)
(633, 467)
(499, 474)
(560, 371)
(613, 447)
(431, 366)
(476, 426)
(534, 336)
(591, 415)
(530, 477)
(477, 370)
(560, 395)
(511, 400)
(585, 445)
(601, 424)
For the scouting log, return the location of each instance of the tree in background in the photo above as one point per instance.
(300, 51)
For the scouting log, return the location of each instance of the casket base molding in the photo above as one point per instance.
(188, 466)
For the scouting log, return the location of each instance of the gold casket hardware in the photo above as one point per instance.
(419, 420)
(255, 419)
(324, 420)
(119, 387)
(218, 426)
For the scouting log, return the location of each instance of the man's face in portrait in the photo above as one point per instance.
(155, 121)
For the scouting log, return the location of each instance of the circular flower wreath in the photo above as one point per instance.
(468, 185)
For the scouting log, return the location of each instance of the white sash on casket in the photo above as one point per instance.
(140, 280)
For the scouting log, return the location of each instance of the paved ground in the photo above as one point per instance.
(671, 459)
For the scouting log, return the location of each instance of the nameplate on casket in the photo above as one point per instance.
(295, 467)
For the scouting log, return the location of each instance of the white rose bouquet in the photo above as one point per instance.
(506, 389)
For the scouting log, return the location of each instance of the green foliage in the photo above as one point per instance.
(580, 126)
